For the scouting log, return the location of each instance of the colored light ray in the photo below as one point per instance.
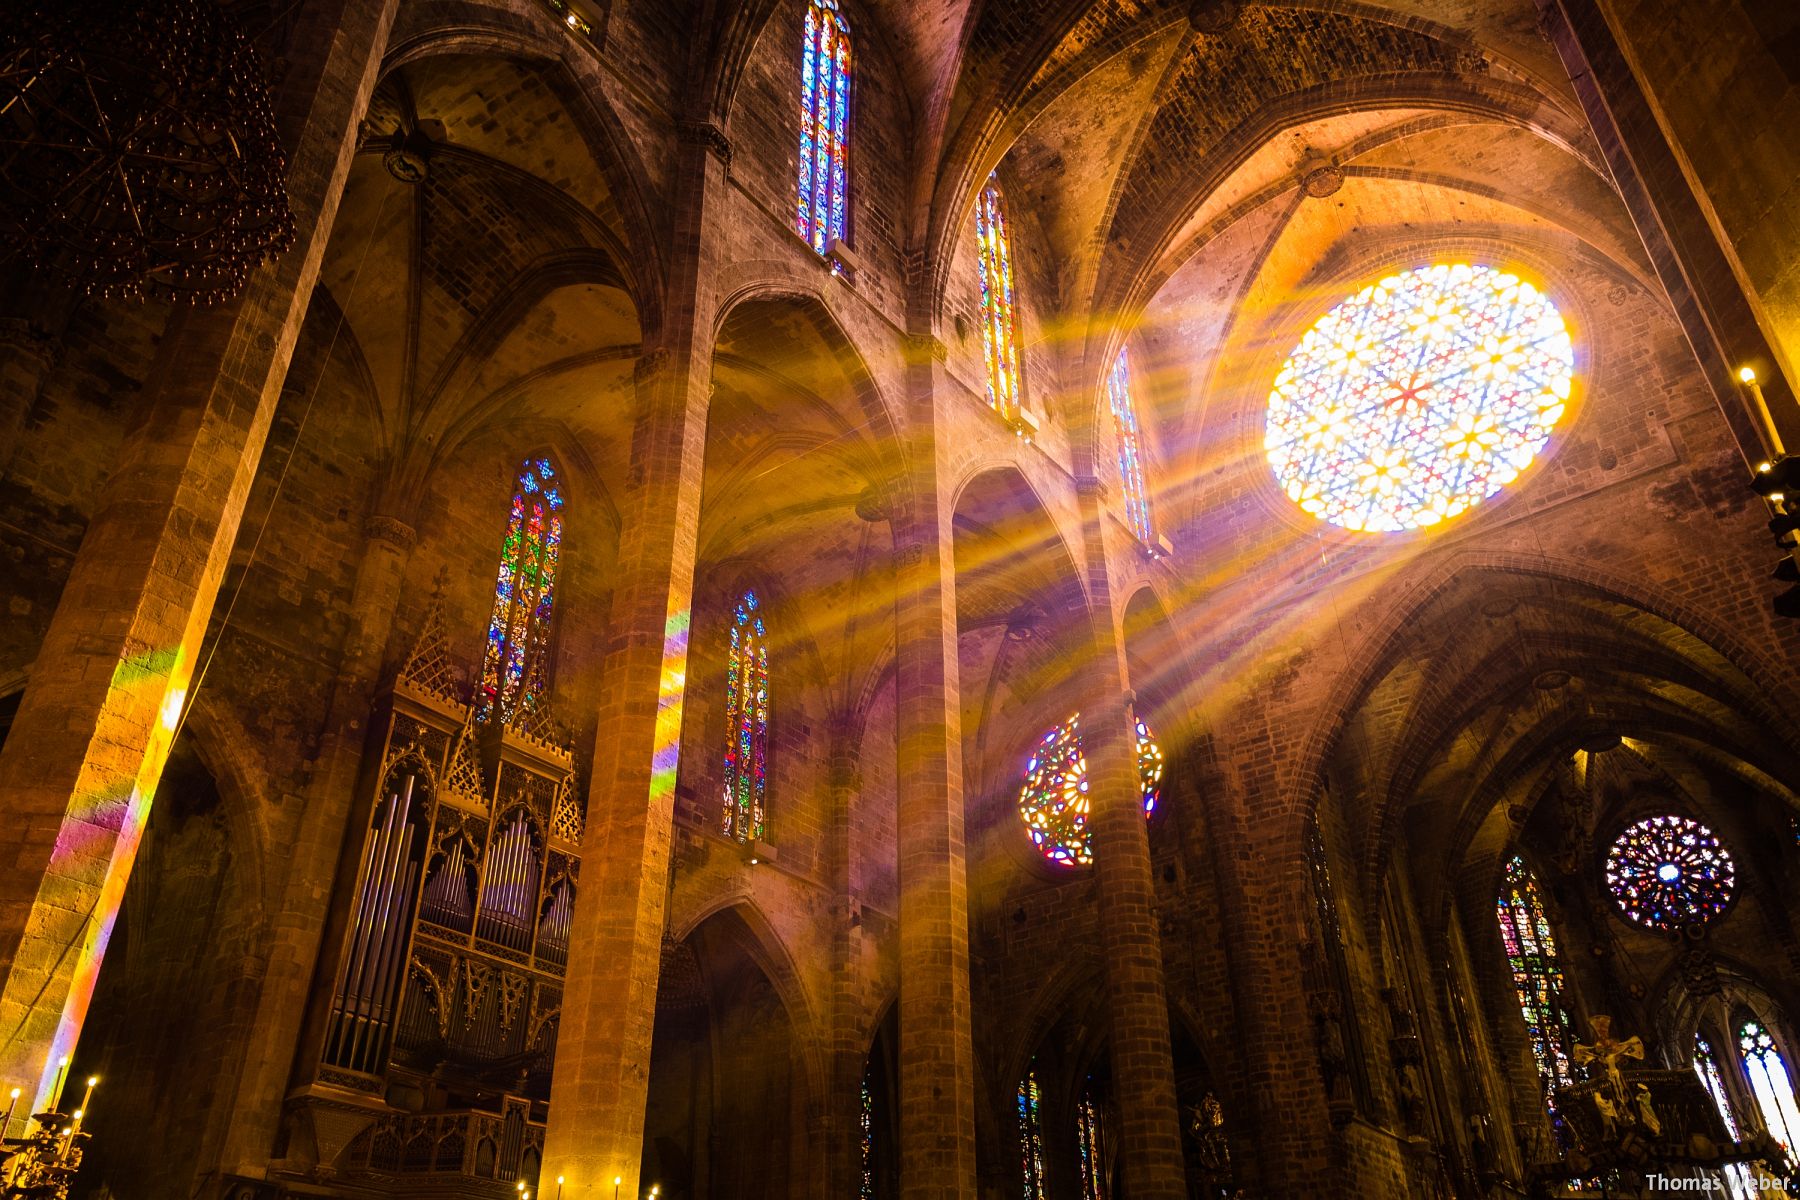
(1419, 397)
(162, 679)
(671, 697)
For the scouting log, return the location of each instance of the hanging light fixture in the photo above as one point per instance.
(138, 150)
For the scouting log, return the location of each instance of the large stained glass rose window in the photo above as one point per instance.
(1419, 397)
(1667, 872)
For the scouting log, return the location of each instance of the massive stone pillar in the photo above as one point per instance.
(1143, 1071)
(937, 1055)
(107, 692)
(846, 1034)
(295, 928)
(602, 1076)
(1720, 309)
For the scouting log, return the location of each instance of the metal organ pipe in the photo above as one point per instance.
(509, 896)
(367, 903)
(363, 1014)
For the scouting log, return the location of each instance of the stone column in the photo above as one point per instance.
(314, 856)
(937, 1055)
(1143, 1069)
(602, 1076)
(847, 1037)
(1716, 312)
(105, 698)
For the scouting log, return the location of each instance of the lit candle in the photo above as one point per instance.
(6, 1123)
(617, 1180)
(62, 1073)
(87, 1099)
(1772, 435)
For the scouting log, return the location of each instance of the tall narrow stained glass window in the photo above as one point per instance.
(999, 308)
(823, 199)
(746, 722)
(1031, 1138)
(1770, 1083)
(516, 663)
(1537, 975)
(1706, 1066)
(1090, 1141)
(865, 1188)
(1131, 449)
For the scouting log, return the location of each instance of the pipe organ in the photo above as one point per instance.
(443, 1015)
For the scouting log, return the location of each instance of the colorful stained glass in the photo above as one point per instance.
(1537, 975)
(746, 722)
(1667, 872)
(516, 661)
(865, 1189)
(999, 305)
(1131, 449)
(1031, 1138)
(1706, 1065)
(1419, 397)
(1090, 1141)
(1054, 800)
(1770, 1083)
(822, 208)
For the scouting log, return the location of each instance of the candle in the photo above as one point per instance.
(62, 1073)
(6, 1122)
(87, 1099)
(1770, 434)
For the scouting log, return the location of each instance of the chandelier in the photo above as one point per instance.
(138, 150)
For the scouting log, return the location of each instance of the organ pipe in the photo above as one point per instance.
(362, 1015)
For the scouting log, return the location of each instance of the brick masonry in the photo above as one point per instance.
(600, 267)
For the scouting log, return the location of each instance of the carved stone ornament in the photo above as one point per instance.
(392, 530)
(708, 134)
(1322, 182)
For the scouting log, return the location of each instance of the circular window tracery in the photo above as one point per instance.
(1668, 872)
(1419, 397)
(1054, 799)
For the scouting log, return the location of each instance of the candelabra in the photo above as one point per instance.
(42, 1164)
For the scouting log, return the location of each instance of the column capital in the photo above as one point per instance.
(923, 348)
(392, 530)
(707, 134)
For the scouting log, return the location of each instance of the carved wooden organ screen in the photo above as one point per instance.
(450, 978)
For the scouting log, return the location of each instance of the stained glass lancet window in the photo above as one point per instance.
(1770, 1083)
(1054, 799)
(746, 722)
(865, 1188)
(515, 665)
(1031, 1138)
(1131, 448)
(1667, 872)
(1419, 397)
(1536, 973)
(1706, 1066)
(820, 214)
(1090, 1141)
(999, 308)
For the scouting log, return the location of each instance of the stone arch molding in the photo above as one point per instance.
(1382, 645)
